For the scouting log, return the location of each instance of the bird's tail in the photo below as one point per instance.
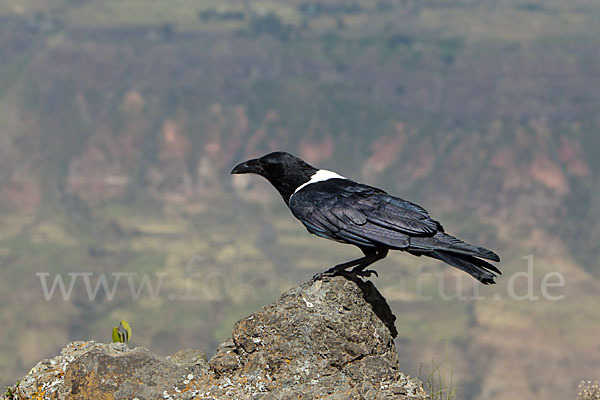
(479, 269)
(459, 254)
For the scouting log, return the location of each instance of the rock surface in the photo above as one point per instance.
(330, 338)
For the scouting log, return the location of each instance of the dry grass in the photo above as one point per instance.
(438, 380)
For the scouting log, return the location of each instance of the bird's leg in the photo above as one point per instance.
(376, 256)
(340, 268)
(346, 265)
(370, 257)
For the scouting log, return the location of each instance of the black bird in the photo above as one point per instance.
(346, 211)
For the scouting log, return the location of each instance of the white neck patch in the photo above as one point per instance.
(320, 176)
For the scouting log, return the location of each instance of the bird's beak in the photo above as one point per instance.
(248, 167)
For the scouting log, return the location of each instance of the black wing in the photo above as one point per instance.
(362, 215)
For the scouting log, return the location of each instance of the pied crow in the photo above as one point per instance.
(334, 207)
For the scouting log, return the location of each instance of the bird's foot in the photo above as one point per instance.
(327, 274)
(318, 276)
(366, 273)
(335, 272)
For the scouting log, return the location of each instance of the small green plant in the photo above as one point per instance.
(9, 394)
(589, 391)
(121, 333)
(434, 381)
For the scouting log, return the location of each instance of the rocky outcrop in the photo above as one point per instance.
(331, 338)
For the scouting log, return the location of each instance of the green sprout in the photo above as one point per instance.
(121, 333)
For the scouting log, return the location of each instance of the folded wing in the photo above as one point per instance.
(350, 212)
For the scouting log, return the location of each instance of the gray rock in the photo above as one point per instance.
(330, 338)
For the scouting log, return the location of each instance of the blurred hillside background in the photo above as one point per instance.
(121, 119)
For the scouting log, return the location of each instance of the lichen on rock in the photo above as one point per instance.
(330, 338)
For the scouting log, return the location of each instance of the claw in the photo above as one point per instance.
(337, 271)
(321, 275)
(366, 273)
(318, 276)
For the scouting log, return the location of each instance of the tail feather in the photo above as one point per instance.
(447, 243)
(478, 269)
(459, 254)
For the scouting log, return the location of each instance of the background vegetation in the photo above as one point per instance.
(120, 121)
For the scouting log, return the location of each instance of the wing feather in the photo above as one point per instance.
(359, 214)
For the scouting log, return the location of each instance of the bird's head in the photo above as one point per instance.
(285, 171)
(274, 165)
